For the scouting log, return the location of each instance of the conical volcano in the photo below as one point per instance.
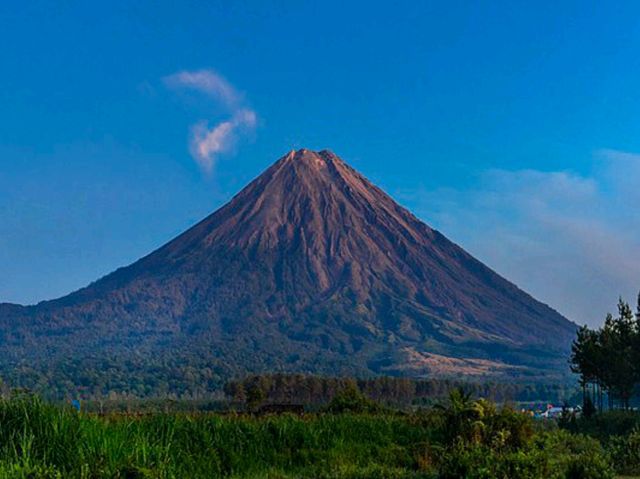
(310, 268)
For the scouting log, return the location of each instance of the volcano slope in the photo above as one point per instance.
(310, 268)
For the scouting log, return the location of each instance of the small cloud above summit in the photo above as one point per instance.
(208, 143)
(208, 82)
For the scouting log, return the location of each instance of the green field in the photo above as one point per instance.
(353, 438)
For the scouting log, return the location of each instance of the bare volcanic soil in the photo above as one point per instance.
(310, 268)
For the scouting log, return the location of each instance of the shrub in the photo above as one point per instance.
(588, 466)
(624, 453)
(350, 399)
(573, 456)
(482, 462)
(607, 424)
(462, 420)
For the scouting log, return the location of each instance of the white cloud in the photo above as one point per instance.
(208, 143)
(572, 241)
(208, 82)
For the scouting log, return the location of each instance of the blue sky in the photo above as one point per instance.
(512, 127)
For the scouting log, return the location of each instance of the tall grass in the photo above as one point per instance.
(39, 440)
(471, 440)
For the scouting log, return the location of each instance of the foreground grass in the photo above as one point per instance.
(39, 440)
(466, 439)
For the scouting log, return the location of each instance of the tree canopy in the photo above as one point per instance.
(607, 359)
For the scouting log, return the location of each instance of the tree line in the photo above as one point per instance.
(255, 390)
(607, 360)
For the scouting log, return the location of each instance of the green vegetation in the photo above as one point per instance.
(353, 438)
(199, 379)
(608, 360)
(316, 391)
(619, 433)
(353, 428)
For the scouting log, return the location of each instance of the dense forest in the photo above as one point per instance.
(607, 360)
(198, 379)
(151, 389)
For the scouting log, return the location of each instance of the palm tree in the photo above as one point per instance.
(462, 417)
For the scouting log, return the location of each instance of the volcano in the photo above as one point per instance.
(310, 268)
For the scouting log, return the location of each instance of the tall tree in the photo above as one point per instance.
(623, 365)
(608, 359)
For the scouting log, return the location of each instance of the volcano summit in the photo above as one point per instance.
(310, 268)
